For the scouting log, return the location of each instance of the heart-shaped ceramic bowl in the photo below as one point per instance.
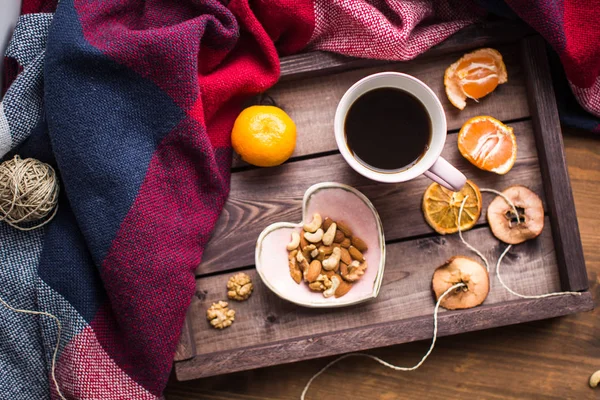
(338, 202)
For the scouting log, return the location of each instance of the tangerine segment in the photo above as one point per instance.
(488, 144)
(264, 136)
(475, 75)
(441, 206)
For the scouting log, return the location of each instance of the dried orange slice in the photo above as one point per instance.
(441, 206)
(488, 144)
(475, 75)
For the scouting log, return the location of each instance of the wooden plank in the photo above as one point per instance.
(248, 210)
(405, 293)
(525, 361)
(311, 103)
(379, 335)
(272, 331)
(265, 319)
(486, 33)
(186, 348)
(583, 160)
(561, 207)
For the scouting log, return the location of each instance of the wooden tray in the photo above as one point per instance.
(270, 331)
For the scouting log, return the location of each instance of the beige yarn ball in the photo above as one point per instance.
(28, 192)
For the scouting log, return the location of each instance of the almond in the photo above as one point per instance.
(346, 258)
(329, 273)
(344, 228)
(343, 288)
(313, 271)
(343, 269)
(327, 223)
(345, 243)
(303, 242)
(356, 254)
(339, 236)
(359, 244)
(327, 250)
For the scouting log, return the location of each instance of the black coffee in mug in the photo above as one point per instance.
(387, 129)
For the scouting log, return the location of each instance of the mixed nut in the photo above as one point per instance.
(239, 287)
(327, 256)
(219, 315)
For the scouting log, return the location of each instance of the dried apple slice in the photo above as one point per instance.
(503, 222)
(461, 269)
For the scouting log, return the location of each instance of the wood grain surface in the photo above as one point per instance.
(248, 211)
(311, 103)
(549, 359)
(554, 169)
(186, 348)
(405, 293)
(405, 303)
(269, 331)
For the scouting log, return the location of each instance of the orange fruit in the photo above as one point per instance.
(488, 144)
(475, 75)
(441, 206)
(264, 136)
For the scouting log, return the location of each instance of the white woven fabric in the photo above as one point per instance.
(23, 103)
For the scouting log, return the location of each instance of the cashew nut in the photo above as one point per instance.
(595, 379)
(332, 262)
(314, 237)
(314, 224)
(335, 283)
(294, 243)
(329, 235)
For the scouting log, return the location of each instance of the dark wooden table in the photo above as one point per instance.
(550, 359)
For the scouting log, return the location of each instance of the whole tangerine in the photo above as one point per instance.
(264, 136)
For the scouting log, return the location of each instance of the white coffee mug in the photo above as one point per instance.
(430, 164)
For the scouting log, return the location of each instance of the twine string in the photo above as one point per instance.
(437, 305)
(506, 250)
(382, 362)
(28, 193)
(473, 249)
(59, 330)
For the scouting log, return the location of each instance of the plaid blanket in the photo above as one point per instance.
(133, 103)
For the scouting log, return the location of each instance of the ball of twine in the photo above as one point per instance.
(28, 193)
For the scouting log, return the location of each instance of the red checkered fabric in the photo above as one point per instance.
(388, 30)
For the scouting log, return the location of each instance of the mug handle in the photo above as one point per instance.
(446, 175)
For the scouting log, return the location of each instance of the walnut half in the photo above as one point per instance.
(321, 283)
(239, 287)
(219, 315)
